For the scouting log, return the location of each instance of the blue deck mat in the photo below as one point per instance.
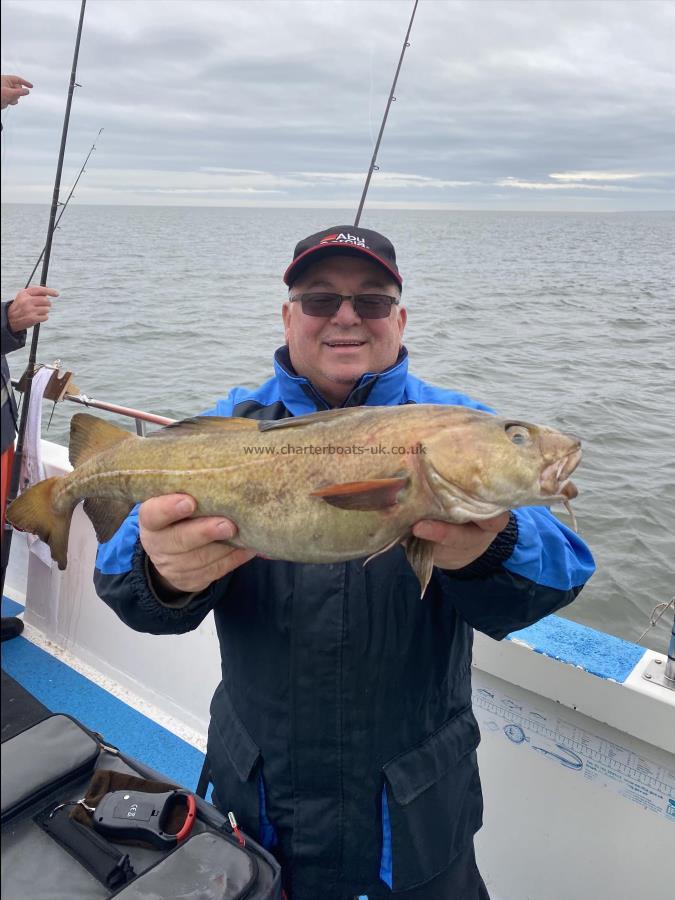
(64, 690)
(594, 651)
(11, 607)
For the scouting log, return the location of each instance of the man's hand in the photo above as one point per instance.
(187, 554)
(30, 306)
(13, 87)
(459, 545)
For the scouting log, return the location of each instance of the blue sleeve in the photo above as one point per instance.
(10, 340)
(418, 391)
(548, 552)
(535, 567)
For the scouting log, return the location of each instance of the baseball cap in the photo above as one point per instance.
(346, 239)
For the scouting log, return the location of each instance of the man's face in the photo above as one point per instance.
(335, 352)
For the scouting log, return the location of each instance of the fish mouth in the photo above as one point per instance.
(554, 480)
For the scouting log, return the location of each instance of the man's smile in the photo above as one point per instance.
(344, 344)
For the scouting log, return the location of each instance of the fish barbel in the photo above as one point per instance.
(321, 488)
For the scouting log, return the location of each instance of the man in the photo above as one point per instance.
(342, 734)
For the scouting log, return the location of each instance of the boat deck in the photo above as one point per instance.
(63, 689)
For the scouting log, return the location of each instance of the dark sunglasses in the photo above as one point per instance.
(366, 306)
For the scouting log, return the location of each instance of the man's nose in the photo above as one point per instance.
(346, 314)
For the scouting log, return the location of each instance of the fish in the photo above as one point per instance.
(321, 488)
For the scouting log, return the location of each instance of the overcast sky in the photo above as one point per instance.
(513, 104)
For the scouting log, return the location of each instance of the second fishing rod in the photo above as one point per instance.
(373, 162)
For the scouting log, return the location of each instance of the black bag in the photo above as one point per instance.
(45, 854)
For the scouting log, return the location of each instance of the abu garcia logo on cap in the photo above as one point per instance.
(343, 238)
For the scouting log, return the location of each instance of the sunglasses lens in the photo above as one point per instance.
(320, 305)
(373, 306)
(367, 306)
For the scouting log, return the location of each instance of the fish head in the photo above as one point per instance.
(485, 464)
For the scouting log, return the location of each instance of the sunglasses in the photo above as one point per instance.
(366, 306)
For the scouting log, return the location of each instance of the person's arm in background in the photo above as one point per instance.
(10, 340)
(30, 306)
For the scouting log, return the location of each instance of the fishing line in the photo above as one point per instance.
(373, 162)
(18, 453)
(653, 619)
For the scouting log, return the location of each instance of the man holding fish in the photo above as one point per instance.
(341, 735)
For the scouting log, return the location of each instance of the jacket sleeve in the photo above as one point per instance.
(534, 567)
(122, 580)
(10, 340)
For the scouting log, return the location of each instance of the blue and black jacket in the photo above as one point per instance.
(342, 733)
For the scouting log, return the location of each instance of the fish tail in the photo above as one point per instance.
(34, 511)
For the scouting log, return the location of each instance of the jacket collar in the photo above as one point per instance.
(373, 388)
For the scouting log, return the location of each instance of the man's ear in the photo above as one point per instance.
(286, 317)
(402, 319)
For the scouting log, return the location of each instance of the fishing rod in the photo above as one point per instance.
(18, 452)
(65, 204)
(372, 168)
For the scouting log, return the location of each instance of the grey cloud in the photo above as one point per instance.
(490, 90)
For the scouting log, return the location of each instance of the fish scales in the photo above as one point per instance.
(327, 487)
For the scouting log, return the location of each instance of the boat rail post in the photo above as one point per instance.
(669, 673)
(655, 671)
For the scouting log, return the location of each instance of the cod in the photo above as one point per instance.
(322, 488)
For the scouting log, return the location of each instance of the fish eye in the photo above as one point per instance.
(518, 434)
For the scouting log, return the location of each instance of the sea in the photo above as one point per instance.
(566, 319)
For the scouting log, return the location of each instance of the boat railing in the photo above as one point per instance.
(140, 417)
(61, 387)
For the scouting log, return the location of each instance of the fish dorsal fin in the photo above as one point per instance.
(204, 425)
(90, 435)
(363, 495)
(326, 415)
(106, 516)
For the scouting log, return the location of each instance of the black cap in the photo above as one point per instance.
(346, 239)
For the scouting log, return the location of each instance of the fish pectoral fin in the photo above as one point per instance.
(90, 435)
(420, 555)
(204, 425)
(106, 516)
(363, 495)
